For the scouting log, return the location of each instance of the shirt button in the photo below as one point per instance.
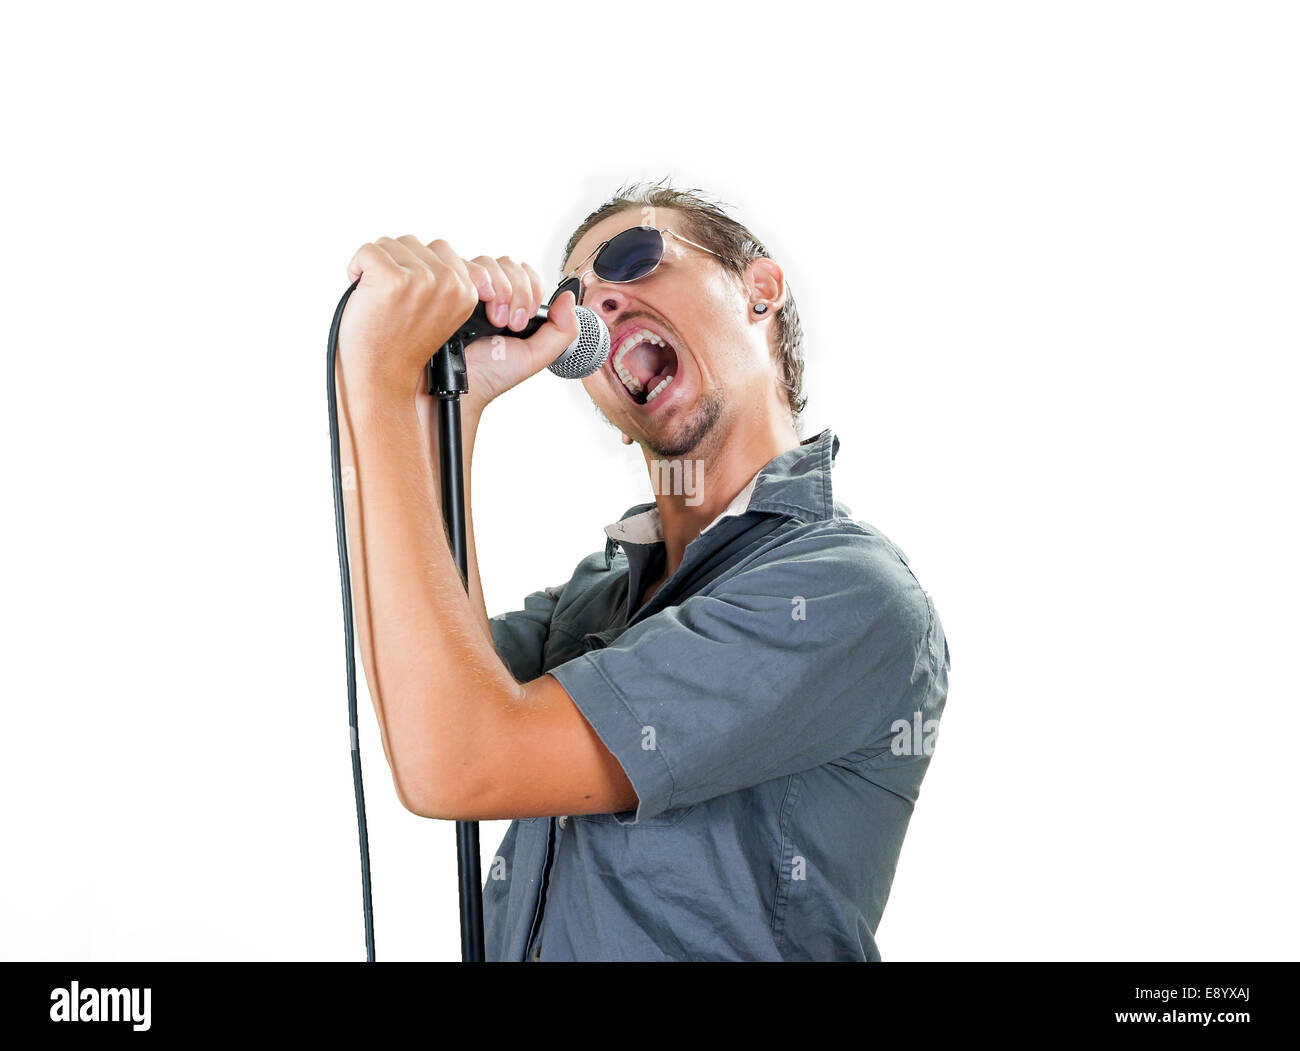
(562, 822)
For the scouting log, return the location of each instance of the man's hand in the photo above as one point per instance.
(411, 299)
(498, 363)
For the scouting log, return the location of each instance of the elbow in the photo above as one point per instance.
(418, 800)
(435, 795)
(421, 794)
(440, 808)
(456, 777)
(429, 805)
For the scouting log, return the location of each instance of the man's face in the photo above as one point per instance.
(686, 323)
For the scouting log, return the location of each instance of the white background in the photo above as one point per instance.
(1046, 255)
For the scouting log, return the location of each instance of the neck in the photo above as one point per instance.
(693, 489)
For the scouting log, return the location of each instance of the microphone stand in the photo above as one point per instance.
(448, 379)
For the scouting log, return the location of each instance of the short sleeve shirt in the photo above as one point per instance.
(774, 704)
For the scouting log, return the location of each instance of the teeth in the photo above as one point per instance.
(629, 381)
(644, 336)
(658, 387)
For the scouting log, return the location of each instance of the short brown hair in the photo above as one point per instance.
(708, 223)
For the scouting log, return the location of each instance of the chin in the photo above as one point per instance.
(683, 430)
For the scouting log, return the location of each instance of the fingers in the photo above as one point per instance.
(482, 281)
(373, 258)
(536, 283)
(518, 291)
(451, 260)
(478, 276)
(408, 254)
(560, 330)
(564, 314)
(403, 255)
(512, 291)
(498, 308)
(524, 301)
(439, 260)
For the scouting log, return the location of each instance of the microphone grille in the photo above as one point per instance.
(586, 354)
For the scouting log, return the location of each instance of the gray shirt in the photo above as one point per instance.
(774, 706)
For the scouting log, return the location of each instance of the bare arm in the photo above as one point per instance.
(471, 414)
(464, 740)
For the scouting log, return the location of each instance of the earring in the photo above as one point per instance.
(760, 308)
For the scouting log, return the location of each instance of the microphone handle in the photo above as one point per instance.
(581, 358)
(478, 325)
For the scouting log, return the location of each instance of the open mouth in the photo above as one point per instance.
(645, 364)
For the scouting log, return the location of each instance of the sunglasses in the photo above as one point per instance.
(627, 256)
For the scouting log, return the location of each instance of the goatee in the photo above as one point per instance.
(688, 434)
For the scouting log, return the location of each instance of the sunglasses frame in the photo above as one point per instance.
(595, 254)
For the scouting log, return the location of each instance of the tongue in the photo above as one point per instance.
(658, 378)
(651, 364)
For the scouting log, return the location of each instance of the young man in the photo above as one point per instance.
(712, 736)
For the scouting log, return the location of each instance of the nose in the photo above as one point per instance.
(607, 300)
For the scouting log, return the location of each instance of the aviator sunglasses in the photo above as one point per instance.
(627, 256)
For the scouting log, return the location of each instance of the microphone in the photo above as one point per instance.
(584, 356)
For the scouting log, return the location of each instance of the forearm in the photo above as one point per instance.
(438, 687)
(469, 430)
(471, 414)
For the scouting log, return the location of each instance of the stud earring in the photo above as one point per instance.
(760, 308)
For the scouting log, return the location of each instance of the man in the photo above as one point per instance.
(712, 736)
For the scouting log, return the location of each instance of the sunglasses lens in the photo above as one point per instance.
(630, 255)
(571, 284)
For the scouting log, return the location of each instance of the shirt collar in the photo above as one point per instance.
(797, 483)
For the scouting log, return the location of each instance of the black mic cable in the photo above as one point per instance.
(345, 579)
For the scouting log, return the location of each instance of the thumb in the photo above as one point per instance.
(554, 337)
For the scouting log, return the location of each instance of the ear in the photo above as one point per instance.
(766, 284)
(627, 440)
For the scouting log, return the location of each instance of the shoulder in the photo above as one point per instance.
(854, 574)
(842, 548)
(890, 595)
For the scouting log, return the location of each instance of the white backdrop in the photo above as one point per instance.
(1046, 259)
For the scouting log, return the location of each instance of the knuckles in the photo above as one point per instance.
(432, 285)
